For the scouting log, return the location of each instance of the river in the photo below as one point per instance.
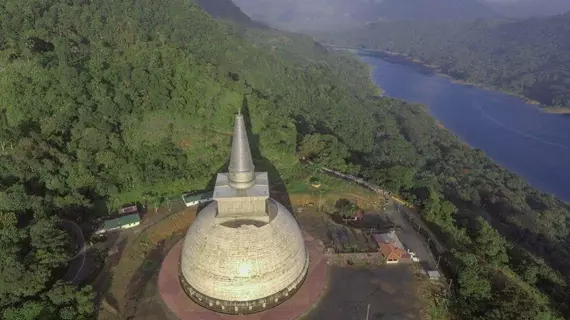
(515, 134)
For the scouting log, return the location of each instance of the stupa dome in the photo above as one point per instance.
(243, 260)
(244, 252)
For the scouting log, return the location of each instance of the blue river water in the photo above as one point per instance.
(517, 135)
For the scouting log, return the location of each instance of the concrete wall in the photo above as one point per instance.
(239, 207)
(241, 307)
(342, 258)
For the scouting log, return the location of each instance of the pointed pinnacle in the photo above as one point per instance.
(241, 166)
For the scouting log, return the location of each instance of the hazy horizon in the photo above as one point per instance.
(302, 15)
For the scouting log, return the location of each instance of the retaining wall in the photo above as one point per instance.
(343, 258)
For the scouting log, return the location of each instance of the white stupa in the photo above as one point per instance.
(244, 252)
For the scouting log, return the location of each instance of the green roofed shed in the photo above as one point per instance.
(194, 199)
(122, 222)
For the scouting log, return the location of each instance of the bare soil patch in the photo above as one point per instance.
(392, 292)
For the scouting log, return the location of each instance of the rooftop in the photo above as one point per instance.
(198, 196)
(118, 222)
(129, 209)
(389, 237)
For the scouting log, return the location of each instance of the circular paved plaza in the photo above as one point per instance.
(185, 309)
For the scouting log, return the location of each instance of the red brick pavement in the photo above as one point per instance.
(186, 309)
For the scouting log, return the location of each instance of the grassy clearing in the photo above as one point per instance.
(302, 194)
(317, 202)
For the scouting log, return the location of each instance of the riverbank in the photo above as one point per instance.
(379, 92)
(557, 110)
(414, 62)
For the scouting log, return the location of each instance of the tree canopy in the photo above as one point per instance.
(118, 101)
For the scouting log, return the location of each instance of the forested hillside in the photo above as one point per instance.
(117, 101)
(227, 10)
(530, 57)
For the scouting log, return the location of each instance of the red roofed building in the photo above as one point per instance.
(129, 210)
(391, 247)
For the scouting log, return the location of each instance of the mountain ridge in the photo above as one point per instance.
(528, 57)
(319, 15)
(530, 8)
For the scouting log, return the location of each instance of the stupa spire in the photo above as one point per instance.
(241, 169)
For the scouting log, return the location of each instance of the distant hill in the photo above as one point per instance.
(393, 10)
(227, 10)
(319, 15)
(301, 15)
(530, 8)
(530, 57)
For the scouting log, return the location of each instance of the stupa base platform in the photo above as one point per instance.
(184, 308)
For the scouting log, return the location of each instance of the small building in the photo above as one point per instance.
(433, 275)
(129, 210)
(391, 247)
(196, 199)
(121, 223)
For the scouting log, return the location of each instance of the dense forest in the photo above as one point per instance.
(118, 101)
(529, 57)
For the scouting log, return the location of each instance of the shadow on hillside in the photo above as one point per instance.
(278, 190)
(102, 283)
(136, 289)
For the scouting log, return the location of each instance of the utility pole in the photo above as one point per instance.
(437, 264)
(367, 311)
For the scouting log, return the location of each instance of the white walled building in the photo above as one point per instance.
(121, 223)
(196, 199)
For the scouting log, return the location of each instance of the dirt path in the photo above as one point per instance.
(77, 264)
